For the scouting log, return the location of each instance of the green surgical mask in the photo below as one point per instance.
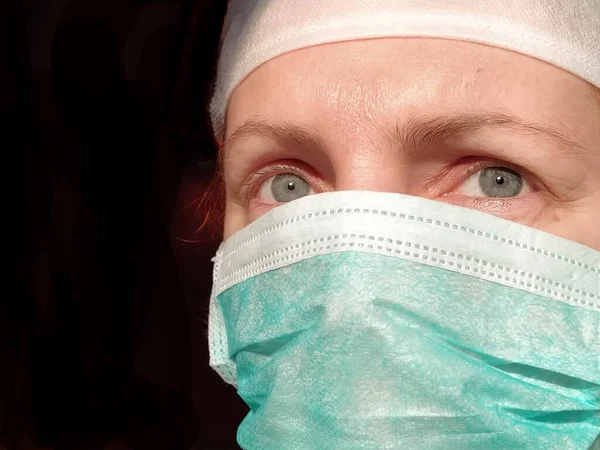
(361, 320)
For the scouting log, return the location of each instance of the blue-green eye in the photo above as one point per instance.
(284, 188)
(500, 182)
(495, 182)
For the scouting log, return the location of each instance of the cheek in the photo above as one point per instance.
(576, 222)
(236, 218)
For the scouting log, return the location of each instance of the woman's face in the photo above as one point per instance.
(453, 121)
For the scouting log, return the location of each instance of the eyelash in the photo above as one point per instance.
(251, 186)
(476, 164)
(457, 177)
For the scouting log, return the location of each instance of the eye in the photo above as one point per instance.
(496, 181)
(284, 188)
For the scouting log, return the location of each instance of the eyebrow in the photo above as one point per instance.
(287, 134)
(417, 132)
(413, 134)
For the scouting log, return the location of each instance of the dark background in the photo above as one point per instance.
(103, 345)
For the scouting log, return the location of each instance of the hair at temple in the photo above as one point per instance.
(210, 205)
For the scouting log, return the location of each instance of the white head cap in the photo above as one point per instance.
(565, 33)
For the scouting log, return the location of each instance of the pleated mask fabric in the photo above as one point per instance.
(368, 320)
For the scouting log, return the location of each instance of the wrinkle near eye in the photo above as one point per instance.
(385, 131)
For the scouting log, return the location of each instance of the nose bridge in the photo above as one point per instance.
(371, 168)
(362, 157)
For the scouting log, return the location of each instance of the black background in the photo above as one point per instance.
(103, 345)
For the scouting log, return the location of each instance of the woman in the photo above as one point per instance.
(411, 254)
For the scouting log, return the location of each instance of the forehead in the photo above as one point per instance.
(374, 81)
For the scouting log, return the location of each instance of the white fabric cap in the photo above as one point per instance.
(565, 33)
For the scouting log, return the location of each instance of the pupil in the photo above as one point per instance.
(291, 186)
(500, 179)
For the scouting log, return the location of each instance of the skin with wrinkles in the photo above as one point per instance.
(417, 116)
